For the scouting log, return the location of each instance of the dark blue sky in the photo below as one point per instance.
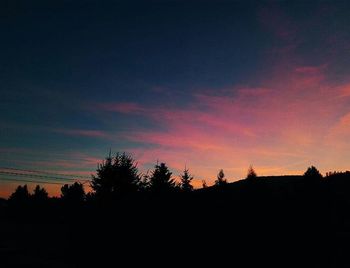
(80, 77)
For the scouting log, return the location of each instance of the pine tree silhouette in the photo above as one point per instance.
(186, 179)
(161, 180)
(116, 176)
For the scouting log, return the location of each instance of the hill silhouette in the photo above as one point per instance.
(280, 221)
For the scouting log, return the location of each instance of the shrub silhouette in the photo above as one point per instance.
(186, 179)
(40, 195)
(20, 195)
(116, 175)
(73, 193)
(312, 174)
(161, 180)
(220, 181)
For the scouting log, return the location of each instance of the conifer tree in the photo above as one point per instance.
(186, 179)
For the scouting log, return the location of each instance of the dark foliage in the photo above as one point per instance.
(20, 195)
(186, 179)
(73, 193)
(251, 174)
(312, 174)
(40, 194)
(116, 176)
(284, 221)
(161, 180)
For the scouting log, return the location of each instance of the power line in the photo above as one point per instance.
(34, 181)
(43, 177)
(36, 176)
(44, 172)
(68, 180)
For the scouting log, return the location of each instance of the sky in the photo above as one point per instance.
(208, 85)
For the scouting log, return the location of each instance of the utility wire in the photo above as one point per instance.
(67, 180)
(34, 181)
(44, 172)
(36, 176)
(39, 181)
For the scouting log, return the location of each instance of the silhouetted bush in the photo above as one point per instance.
(40, 194)
(312, 174)
(73, 194)
(20, 195)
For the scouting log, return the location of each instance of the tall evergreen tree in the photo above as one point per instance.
(116, 175)
(161, 180)
(186, 179)
(220, 181)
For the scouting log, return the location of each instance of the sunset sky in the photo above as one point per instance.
(205, 84)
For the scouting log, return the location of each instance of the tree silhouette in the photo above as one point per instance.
(186, 179)
(312, 174)
(116, 176)
(161, 180)
(220, 181)
(251, 174)
(20, 195)
(73, 193)
(40, 194)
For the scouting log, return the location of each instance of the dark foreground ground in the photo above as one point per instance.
(261, 224)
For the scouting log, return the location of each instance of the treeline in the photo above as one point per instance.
(118, 177)
(158, 216)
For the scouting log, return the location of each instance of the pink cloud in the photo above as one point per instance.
(344, 90)
(74, 163)
(340, 131)
(311, 70)
(284, 121)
